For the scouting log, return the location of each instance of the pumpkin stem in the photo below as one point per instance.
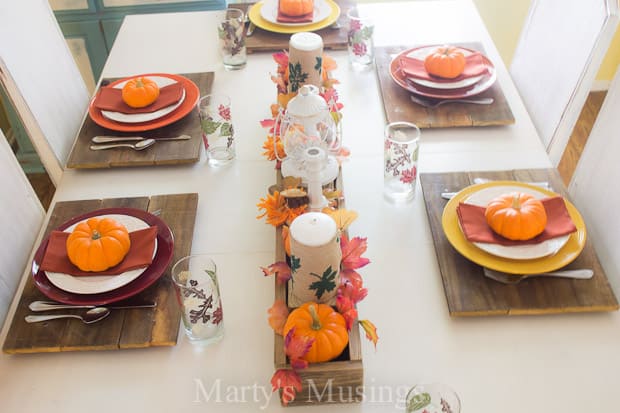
(515, 202)
(316, 323)
(96, 234)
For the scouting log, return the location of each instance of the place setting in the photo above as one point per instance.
(271, 22)
(442, 85)
(104, 267)
(511, 242)
(144, 119)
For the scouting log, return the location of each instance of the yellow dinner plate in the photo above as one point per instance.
(258, 20)
(564, 256)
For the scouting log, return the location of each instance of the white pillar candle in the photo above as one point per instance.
(305, 57)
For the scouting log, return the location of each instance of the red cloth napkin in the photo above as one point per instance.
(476, 229)
(285, 18)
(140, 254)
(414, 67)
(110, 98)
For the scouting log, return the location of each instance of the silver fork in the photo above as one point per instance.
(431, 105)
(583, 274)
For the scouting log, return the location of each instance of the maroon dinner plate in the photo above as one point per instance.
(163, 256)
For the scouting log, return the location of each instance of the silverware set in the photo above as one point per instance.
(111, 142)
(92, 315)
(433, 103)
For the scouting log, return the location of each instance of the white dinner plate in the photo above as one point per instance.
(421, 54)
(516, 252)
(269, 12)
(149, 116)
(95, 284)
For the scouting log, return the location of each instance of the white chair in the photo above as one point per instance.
(558, 55)
(21, 220)
(42, 80)
(594, 184)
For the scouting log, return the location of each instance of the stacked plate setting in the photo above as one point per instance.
(444, 89)
(138, 122)
(264, 14)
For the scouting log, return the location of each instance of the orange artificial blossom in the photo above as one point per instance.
(276, 210)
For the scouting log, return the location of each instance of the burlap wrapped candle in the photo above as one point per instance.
(305, 60)
(315, 260)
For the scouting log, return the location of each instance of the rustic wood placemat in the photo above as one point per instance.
(399, 107)
(162, 153)
(266, 41)
(132, 328)
(470, 293)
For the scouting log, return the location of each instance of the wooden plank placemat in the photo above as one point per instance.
(470, 293)
(162, 153)
(399, 107)
(266, 41)
(131, 328)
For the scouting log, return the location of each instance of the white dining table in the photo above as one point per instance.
(536, 364)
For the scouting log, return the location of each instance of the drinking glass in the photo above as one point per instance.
(432, 398)
(231, 36)
(400, 161)
(359, 39)
(198, 293)
(218, 133)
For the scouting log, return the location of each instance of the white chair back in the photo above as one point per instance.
(558, 55)
(20, 222)
(594, 183)
(41, 80)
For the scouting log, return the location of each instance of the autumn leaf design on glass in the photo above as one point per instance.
(217, 128)
(359, 39)
(326, 282)
(232, 40)
(401, 157)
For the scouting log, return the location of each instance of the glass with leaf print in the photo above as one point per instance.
(218, 134)
(432, 398)
(400, 161)
(198, 294)
(359, 39)
(230, 33)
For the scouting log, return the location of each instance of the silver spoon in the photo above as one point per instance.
(91, 316)
(108, 139)
(136, 146)
(517, 278)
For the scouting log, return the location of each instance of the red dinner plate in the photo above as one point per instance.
(163, 256)
(483, 84)
(192, 94)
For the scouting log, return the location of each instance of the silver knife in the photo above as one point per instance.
(51, 305)
(107, 139)
(250, 30)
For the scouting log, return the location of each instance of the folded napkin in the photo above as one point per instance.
(110, 98)
(414, 67)
(140, 254)
(476, 229)
(285, 18)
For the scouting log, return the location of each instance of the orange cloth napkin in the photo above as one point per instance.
(285, 18)
(414, 67)
(140, 254)
(476, 229)
(110, 98)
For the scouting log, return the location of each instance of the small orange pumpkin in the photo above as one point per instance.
(516, 216)
(447, 62)
(325, 325)
(140, 92)
(296, 7)
(98, 244)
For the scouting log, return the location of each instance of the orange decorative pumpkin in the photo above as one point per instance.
(140, 92)
(447, 62)
(296, 7)
(98, 244)
(325, 325)
(516, 216)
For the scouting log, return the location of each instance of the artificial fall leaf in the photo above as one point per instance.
(343, 155)
(370, 330)
(343, 217)
(287, 380)
(353, 292)
(278, 313)
(296, 346)
(286, 239)
(345, 307)
(351, 276)
(267, 123)
(270, 150)
(352, 251)
(280, 269)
